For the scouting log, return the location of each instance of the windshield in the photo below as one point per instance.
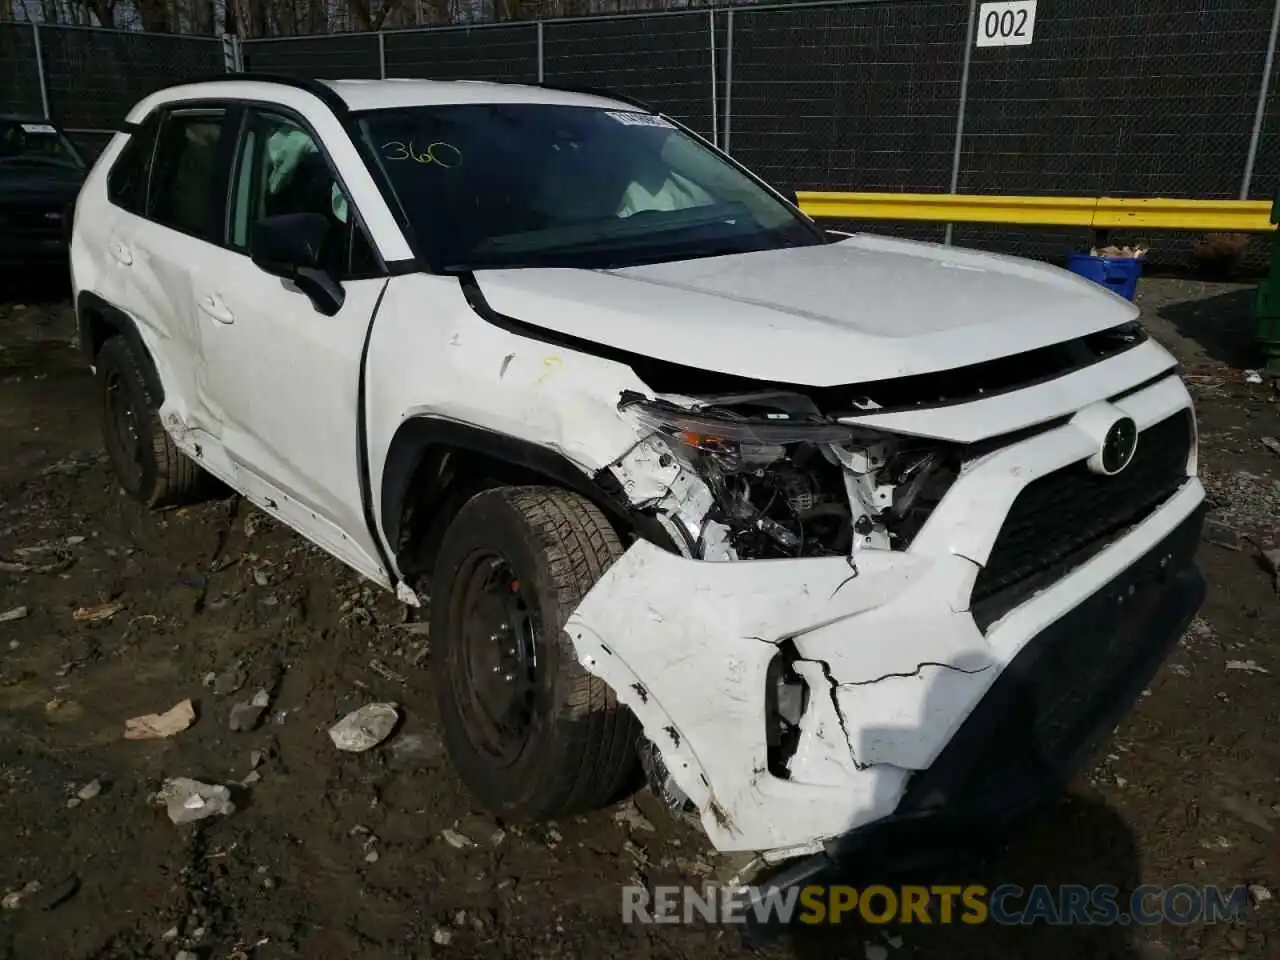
(524, 185)
(40, 143)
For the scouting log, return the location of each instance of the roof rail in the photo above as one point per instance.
(335, 102)
(318, 89)
(599, 92)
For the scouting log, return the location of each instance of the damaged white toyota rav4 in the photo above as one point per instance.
(836, 537)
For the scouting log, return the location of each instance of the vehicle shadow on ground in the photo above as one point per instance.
(1224, 326)
(1077, 842)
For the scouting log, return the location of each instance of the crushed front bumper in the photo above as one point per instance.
(899, 670)
(1052, 705)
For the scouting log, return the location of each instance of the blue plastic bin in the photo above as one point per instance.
(1118, 274)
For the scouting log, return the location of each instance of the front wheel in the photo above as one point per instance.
(530, 732)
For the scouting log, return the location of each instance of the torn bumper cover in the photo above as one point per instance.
(1059, 697)
(916, 702)
(971, 738)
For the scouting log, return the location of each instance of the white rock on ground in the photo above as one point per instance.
(456, 840)
(189, 800)
(365, 728)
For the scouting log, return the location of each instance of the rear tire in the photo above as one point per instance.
(149, 466)
(529, 731)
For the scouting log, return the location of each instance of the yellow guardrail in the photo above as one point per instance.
(1097, 213)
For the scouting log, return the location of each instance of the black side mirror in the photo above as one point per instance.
(292, 246)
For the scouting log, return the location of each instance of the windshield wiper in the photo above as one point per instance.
(612, 231)
(618, 256)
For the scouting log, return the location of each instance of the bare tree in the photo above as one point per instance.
(250, 17)
(103, 12)
(370, 14)
(198, 17)
(285, 18)
(75, 12)
(154, 15)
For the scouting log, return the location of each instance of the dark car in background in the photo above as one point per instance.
(41, 171)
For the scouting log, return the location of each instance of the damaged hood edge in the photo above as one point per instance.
(1003, 413)
(862, 310)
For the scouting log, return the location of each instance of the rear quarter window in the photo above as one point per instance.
(127, 178)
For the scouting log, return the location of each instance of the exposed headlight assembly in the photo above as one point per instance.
(774, 483)
(733, 442)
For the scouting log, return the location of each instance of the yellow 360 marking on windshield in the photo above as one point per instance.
(439, 153)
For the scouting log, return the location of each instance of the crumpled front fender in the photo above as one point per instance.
(687, 645)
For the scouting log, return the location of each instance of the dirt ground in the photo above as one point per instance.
(382, 854)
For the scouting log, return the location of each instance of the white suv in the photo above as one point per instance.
(838, 537)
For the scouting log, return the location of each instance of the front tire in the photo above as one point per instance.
(529, 731)
(149, 466)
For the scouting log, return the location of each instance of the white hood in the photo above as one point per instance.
(866, 308)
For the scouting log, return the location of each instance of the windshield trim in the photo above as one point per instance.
(429, 261)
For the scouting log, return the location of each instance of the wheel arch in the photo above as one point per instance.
(97, 321)
(434, 466)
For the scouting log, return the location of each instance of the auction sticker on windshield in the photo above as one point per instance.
(640, 119)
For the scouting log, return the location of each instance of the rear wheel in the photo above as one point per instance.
(149, 466)
(530, 732)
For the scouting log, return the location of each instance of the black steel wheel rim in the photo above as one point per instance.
(496, 622)
(124, 433)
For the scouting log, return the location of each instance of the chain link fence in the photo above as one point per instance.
(1172, 98)
(507, 53)
(87, 78)
(1150, 99)
(850, 97)
(669, 60)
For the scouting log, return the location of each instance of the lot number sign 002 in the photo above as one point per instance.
(1010, 23)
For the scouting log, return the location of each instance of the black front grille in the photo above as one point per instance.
(1069, 685)
(1060, 520)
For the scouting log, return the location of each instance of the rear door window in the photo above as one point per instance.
(186, 188)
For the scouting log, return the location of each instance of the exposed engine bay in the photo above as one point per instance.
(760, 471)
(766, 475)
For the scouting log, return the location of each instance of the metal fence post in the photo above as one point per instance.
(382, 56)
(228, 53)
(1261, 110)
(542, 72)
(44, 82)
(964, 98)
(715, 109)
(728, 78)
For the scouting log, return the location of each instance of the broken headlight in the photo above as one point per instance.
(781, 483)
(732, 440)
